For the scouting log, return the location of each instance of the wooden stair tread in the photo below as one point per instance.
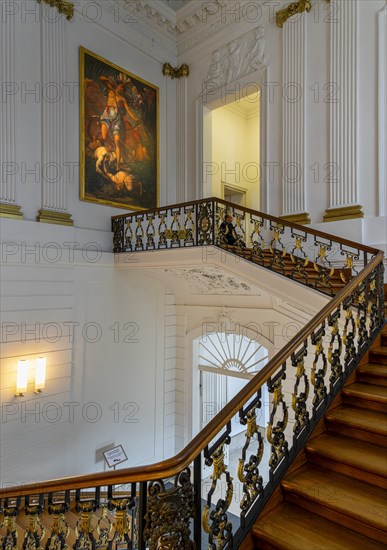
(341, 494)
(372, 421)
(350, 451)
(289, 527)
(366, 391)
(373, 369)
(380, 350)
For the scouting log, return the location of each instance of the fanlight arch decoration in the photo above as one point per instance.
(231, 354)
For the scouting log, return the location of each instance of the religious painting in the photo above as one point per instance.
(119, 136)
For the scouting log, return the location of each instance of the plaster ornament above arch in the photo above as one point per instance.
(210, 280)
(238, 58)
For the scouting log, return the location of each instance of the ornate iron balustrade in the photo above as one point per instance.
(308, 256)
(177, 503)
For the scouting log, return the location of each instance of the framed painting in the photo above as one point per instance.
(119, 148)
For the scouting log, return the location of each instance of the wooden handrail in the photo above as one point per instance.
(297, 226)
(172, 466)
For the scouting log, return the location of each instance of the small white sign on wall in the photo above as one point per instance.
(115, 456)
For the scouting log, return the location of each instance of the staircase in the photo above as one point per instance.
(335, 496)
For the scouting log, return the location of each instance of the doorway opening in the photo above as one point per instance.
(231, 150)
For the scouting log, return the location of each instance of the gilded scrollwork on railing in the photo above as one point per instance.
(275, 431)
(121, 527)
(257, 241)
(375, 298)
(349, 332)
(361, 317)
(204, 223)
(150, 232)
(215, 520)
(59, 528)
(84, 530)
(10, 513)
(35, 531)
(175, 228)
(189, 226)
(299, 258)
(277, 248)
(323, 267)
(169, 513)
(348, 269)
(335, 349)
(118, 231)
(319, 368)
(248, 471)
(299, 399)
(139, 234)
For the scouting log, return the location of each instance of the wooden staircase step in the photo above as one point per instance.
(308, 532)
(351, 503)
(368, 396)
(379, 355)
(372, 373)
(350, 456)
(366, 425)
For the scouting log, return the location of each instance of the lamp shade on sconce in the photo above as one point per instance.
(22, 377)
(40, 374)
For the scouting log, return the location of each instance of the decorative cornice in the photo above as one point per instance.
(50, 216)
(10, 211)
(175, 72)
(343, 213)
(295, 7)
(67, 8)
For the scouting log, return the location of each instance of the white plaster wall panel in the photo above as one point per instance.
(136, 365)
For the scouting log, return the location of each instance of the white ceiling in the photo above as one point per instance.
(177, 4)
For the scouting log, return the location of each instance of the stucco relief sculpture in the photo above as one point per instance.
(237, 59)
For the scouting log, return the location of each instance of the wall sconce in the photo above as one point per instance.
(22, 377)
(40, 374)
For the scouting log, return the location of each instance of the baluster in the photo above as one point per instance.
(299, 258)
(123, 529)
(216, 522)
(35, 531)
(118, 235)
(84, 529)
(318, 376)
(348, 270)
(139, 233)
(204, 224)
(162, 230)
(189, 227)
(373, 302)
(299, 400)
(248, 472)
(349, 333)
(59, 527)
(257, 241)
(277, 249)
(175, 229)
(361, 318)
(323, 267)
(129, 234)
(169, 513)
(275, 434)
(1, 523)
(11, 512)
(150, 232)
(334, 354)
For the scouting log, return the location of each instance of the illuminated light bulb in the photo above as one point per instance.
(22, 377)
(40, 374)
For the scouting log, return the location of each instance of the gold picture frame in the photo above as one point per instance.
(119, 136)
